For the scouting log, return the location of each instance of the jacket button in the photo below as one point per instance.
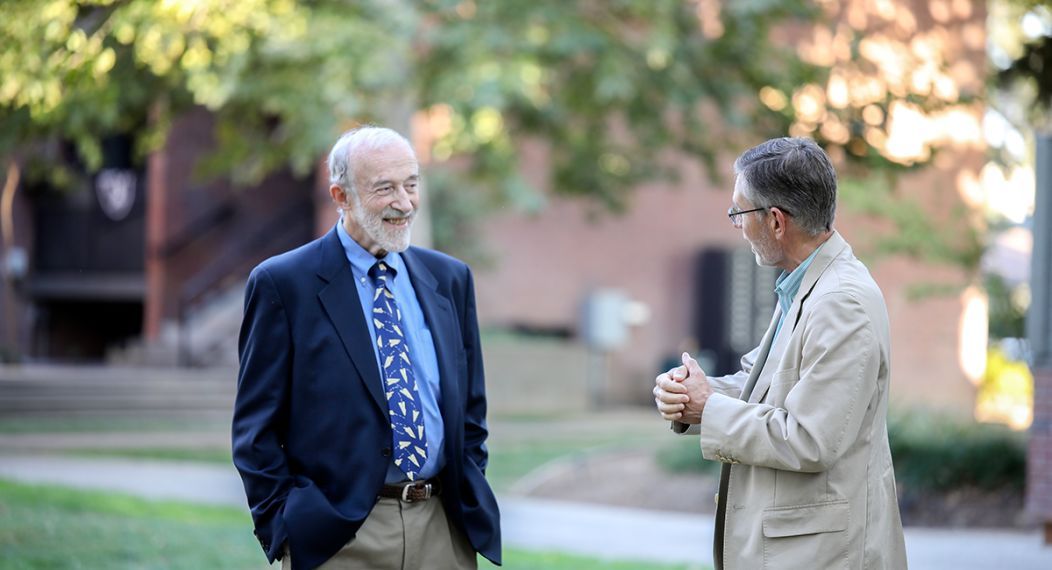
(386, 452)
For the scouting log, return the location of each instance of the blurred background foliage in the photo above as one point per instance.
(613, 91)
(934, 452)
(608, 86)
(1007, 309)
(1024, 62)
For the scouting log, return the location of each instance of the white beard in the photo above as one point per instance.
(764, 251)
(388, 238)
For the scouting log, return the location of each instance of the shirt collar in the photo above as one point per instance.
(788, 284)
(361, 260)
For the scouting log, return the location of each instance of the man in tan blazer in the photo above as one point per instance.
(801, 430)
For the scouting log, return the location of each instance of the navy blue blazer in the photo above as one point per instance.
(311, 436)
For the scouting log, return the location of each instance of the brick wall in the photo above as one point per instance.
(205, 231)
(1039, 466)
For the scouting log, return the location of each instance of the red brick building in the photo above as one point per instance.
(129, 253)
(93, 285)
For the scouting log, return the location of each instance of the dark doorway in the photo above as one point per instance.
(77, 331)
(87, 281)
(733, 303)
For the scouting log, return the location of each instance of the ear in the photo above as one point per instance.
(779, 222)
(339, 195)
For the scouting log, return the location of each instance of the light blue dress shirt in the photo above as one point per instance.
(421, 345)
(788, 285)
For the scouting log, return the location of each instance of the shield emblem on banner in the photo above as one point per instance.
(115, 189)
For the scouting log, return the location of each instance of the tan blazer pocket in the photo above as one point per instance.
(806, 536)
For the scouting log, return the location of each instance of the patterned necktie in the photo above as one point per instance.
(403, 397)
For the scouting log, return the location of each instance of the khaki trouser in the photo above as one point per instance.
(403, 536)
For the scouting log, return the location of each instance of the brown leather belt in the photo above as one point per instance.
(412, 492)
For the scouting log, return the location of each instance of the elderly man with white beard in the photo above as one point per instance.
(360, 420)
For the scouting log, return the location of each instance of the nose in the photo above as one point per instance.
(402, 200)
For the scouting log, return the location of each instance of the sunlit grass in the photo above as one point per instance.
(45, 527)
(50, 527)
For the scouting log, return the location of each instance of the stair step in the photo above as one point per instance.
(70, 390)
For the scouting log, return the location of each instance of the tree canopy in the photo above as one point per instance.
(613, 89)
(1027, 77)
(609, 86)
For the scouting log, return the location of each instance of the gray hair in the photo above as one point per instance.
(794, 174)
(354, 142)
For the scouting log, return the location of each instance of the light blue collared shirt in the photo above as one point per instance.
(421, 345)
(788, 285)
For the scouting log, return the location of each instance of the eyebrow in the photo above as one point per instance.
(381, 182)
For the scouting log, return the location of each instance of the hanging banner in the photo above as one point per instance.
(115, 189)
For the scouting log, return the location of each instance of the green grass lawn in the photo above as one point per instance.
(509, 463)
(45, 527)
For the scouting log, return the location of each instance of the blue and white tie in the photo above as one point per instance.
(403, 397)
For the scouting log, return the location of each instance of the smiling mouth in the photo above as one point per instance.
(398, 222)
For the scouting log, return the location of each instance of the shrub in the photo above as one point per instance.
(937, 452)
(931, 451)
(684, 456)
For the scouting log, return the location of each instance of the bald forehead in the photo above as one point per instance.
(392, 161)
(371, 148)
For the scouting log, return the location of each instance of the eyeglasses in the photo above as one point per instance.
(736, 215)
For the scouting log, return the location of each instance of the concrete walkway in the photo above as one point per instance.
(532, 524)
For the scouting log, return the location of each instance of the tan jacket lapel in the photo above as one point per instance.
(761, 357)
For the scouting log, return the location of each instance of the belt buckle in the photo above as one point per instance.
(425, 488)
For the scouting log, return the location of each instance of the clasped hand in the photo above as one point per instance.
(681, 393)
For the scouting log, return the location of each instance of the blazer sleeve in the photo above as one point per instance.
(260, 409)
(475, 430)
(823, 411)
